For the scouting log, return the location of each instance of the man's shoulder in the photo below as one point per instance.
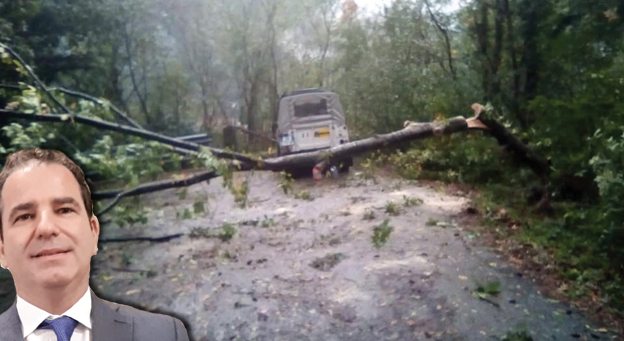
(136, 314)
(149, 322)
(9, 315)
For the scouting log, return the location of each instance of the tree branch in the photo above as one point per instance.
(142, 239)
(38, 82)
(540, 166)
(253, 133)
(447, 41)
(187, 147)
(142, 99)
(153, 187)
(11, 87)
(98, 101)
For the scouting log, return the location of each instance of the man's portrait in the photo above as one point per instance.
(48, 234)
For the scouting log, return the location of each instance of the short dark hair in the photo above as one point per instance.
(21, 158)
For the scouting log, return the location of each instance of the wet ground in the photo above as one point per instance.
(308, 270)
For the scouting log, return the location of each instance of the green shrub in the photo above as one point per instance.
(381, 233)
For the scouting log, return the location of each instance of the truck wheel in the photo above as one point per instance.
(300, 172)
(345, 165)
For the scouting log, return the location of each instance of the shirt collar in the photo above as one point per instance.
(32, 316)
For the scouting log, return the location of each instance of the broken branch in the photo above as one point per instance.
(189, 147)
(30, 72)
(142, 239)
(98, 101)
(156, 186)
(540, 166)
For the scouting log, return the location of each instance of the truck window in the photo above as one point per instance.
(311, 109)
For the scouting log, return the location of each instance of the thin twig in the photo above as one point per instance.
(489, 301)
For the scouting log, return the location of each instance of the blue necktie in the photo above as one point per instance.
(63, 327)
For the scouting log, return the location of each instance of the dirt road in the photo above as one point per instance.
(307, 269)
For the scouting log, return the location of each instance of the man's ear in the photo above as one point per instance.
(95, 229)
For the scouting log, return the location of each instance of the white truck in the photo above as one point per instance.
(310, 120)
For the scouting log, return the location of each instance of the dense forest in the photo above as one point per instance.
(553, 70)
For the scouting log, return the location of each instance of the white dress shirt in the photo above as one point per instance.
(32, 317)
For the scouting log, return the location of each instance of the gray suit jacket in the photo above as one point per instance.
(111, 322)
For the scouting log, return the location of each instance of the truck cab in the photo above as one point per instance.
(310, 120)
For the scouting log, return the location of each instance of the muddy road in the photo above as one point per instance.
(300, 269)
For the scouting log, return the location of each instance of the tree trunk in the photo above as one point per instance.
(481, 31)
(515, 87)
(447, 41)
(273, 92)
(229, 138)
(135, 83)
(252, 110)
(499, 20)
(530, 16)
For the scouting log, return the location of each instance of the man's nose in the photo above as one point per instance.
(46, 225)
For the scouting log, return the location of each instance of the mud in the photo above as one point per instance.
(263, 283)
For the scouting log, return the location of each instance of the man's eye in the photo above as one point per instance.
(23, 217)
(65, 210)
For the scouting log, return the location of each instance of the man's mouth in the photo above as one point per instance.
(50, 252)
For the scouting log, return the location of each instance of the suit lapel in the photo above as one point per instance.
(108, 322)
(11, 325)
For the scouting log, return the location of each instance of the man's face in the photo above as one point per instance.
(48, 237)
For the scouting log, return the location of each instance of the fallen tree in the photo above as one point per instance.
(483, 119)
(412, 131)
